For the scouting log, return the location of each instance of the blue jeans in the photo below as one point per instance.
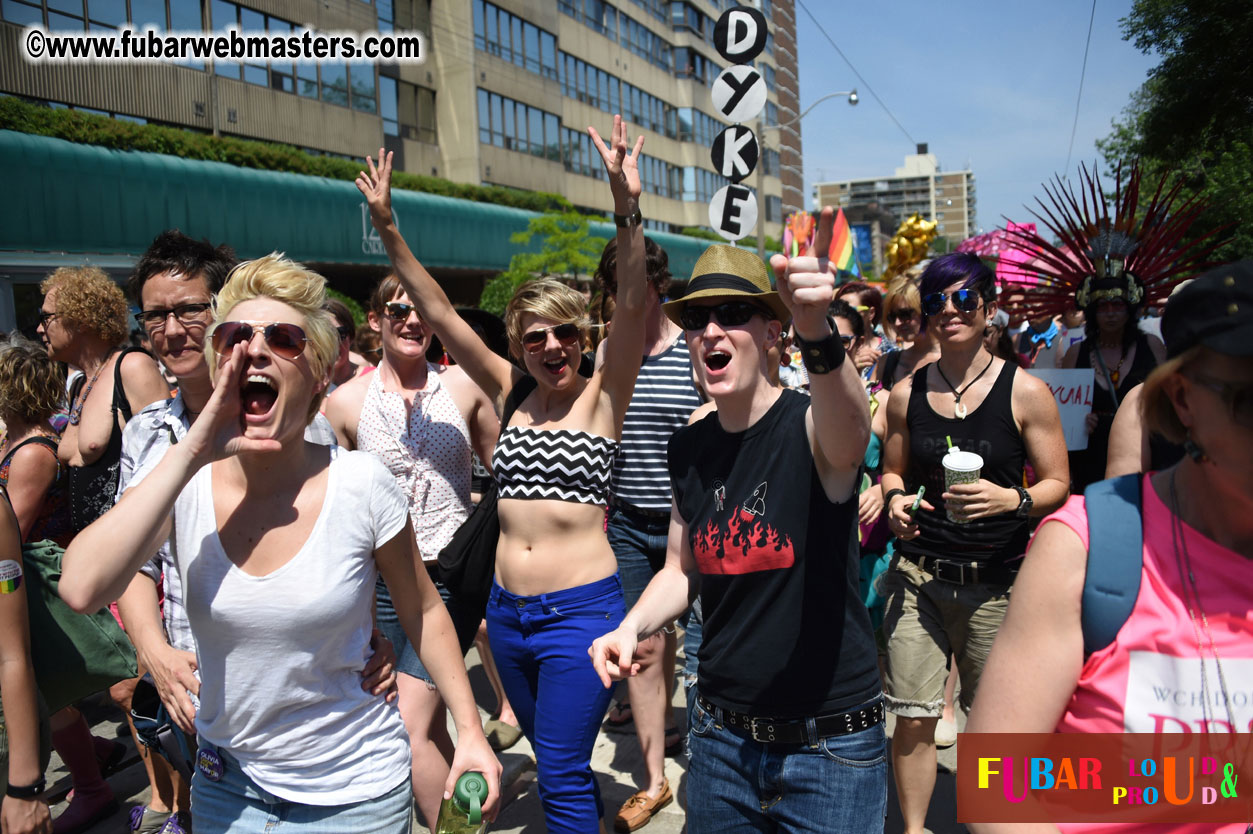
(237, 805)
(735, 784)
(464, 624)
(639, 545)
(540, 645)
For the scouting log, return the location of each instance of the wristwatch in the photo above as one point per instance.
(25, 791)
(626, 221)
(1024, 502)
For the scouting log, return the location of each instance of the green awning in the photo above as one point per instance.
(88, 200)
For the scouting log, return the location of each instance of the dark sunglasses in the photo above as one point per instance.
(907, 314)
(285, 340)
(728, 314)
(398, 310)
(45, 317)
(185, 313)
(1238, 398)
(964, 301)
(846, 339)
(566, 334)
(343, 331)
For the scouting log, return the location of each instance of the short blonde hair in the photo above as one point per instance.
(276, 277)
(32, 385)
(1156, 407)
(89, 299)
(547, 298)
(902, 292)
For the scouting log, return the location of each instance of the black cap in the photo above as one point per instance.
(1215, 310)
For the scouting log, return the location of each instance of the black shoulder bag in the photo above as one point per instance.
(467, 564)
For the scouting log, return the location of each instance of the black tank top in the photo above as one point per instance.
(990, 432)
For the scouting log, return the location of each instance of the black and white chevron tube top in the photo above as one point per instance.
(559, 464)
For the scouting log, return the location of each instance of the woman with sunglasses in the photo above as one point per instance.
(948, 587)
(556, 576)
(279, 542)
(869, 303)
(917, 348)
(764, 530)
(1187, 627)
(424, 422)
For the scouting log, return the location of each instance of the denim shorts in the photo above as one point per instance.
(237, 805)
(639, 545)
(925, 622)
(466, 625)
(738, 785)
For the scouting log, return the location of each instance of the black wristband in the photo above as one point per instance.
(625, 221)
(825, 355)
(25, 791)
(892, 493)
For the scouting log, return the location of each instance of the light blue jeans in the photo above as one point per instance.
(736, 785)
(237, 805)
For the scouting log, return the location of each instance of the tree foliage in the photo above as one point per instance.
(1193, 117)
(567, 250)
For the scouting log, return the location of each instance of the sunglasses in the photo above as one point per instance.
(907, 314)
(1238, 398)
(964, 301)
(185, 313)
(566, 334)
(846, 340)
(283, 339)
(45, 317)
(728, 314)
(398, 310)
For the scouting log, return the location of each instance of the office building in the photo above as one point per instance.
(504, 96)
(947, 197)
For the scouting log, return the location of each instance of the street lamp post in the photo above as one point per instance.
(761, 176)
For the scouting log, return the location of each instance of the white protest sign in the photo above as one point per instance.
(733, 211)
(739, 93)
(1072, 391)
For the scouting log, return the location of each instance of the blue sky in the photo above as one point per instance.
(989, 86)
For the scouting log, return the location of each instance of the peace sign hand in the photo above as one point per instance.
(376, 187)
(623, 167)
(807, 284)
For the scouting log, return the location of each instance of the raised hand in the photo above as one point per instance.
(806, 283)
(376, 186)
(219, 430)
(623, 167)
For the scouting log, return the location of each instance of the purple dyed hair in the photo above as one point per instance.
(947, 270)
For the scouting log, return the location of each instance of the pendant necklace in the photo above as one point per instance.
(958, 409)
(76, 411)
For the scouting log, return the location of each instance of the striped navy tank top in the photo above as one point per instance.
(664, 399)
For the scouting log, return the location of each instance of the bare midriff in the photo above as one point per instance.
(549, 545)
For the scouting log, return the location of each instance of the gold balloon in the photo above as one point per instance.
(909, 245)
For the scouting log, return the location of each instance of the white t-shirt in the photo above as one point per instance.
(281, 655)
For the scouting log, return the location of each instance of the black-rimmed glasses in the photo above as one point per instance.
(187, 314)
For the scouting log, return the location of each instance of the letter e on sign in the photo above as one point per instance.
(734, 152)
(740, 34)
(733, 211)
(738, 93)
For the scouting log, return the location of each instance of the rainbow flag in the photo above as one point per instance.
(10, 576)
(843, 253)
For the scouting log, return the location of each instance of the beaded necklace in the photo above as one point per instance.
(76, 411)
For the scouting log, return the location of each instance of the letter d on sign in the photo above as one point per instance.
(1208, 795)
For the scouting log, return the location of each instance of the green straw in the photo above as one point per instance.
(949, 438)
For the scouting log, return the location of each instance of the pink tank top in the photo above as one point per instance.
(1149, 679)
(427, 450)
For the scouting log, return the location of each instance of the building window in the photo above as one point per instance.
(770, 162)
(334, 89)
(507, 36)
(774, 209)
(516, 126)
(388, 108)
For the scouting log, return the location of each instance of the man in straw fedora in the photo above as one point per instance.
(787, 729)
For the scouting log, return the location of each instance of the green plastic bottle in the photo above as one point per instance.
(462, 813)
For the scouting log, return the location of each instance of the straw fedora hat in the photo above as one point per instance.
(729, 272)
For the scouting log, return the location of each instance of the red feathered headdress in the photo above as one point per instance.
(1119, 251)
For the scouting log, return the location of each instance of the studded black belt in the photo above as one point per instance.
(793, 730)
